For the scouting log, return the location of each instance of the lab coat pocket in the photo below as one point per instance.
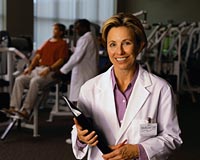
(134, 131)
(148, 129)
(142, 130)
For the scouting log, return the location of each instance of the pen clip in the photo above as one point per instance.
(149, 120)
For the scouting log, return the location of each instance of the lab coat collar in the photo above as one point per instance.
(86, 34)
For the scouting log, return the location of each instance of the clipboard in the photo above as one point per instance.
(86, 124)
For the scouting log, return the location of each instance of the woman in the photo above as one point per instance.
(127, 102)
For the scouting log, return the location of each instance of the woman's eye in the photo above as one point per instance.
(112, 45)
(126, 43)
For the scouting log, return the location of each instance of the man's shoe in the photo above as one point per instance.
(24, 114)
(10, 111)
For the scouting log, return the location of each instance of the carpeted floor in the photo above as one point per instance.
(51, 145)
(20, 145)
(189, 114)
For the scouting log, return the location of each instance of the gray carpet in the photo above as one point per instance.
(51, 145)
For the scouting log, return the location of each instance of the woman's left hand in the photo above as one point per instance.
(122, 152)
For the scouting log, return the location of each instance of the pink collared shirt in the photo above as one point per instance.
(121, 101)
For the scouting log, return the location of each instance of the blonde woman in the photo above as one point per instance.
(132, 107)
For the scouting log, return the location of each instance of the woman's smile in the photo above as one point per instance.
(121, 59)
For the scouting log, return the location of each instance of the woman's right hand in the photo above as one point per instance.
(84, 136)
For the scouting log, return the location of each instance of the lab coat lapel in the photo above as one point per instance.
(136, 101)
(107, 97)
(109, 100)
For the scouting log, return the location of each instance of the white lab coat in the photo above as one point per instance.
(151, 97)
(83, 63)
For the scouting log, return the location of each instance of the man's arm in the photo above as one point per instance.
(56, 66)
(53, 68)
(34, 63)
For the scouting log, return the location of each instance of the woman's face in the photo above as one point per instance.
(121, 48)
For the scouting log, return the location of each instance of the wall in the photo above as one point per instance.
(163, 10)
(20, 17)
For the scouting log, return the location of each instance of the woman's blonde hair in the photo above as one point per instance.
(127, 20)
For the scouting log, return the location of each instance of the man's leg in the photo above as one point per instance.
(36, 84)
(21, 82)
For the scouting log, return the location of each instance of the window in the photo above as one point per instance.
(2, 14)
(48, 12)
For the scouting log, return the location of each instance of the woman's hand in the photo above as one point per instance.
(122, 152)
(84, 136)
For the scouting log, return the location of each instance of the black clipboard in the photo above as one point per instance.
(86, 124)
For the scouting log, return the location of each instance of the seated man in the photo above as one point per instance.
(47, 59)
